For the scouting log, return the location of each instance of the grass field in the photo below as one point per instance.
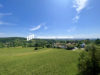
(26, 61)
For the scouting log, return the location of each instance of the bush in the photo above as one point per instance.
(36, 48)
(97, 41)
(70, 47)
(48, 45)
(88, 64)
(90, 48)
(85, 64)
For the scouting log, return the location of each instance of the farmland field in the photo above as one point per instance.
(46, 61)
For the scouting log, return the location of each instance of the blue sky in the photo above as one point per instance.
(50, 18)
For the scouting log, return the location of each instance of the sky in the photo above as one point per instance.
(50, 18)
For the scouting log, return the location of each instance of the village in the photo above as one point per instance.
(69, 46)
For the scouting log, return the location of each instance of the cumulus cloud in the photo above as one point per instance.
(79, 5)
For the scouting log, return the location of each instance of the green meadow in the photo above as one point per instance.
(46, 61)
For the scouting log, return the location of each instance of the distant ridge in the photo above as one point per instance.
(49, 38)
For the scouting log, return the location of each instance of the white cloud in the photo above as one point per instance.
(2, 23)
(76, 18)
(44, 25)
(39, 26)
(71, 29)
(54, 37)
(5, 14)
(79, 5)
(35, 28)
(6, 23)
(92, 35)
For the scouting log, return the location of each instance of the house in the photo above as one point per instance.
(69, 46)
(60, 45)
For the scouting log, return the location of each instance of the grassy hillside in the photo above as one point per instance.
(26, 61)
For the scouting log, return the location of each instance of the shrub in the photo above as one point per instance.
(35, 48)
(48, 45)
(88, 64)
(70, 47)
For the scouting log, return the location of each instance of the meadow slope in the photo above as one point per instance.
(26, 61)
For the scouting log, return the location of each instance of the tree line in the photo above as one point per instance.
(18, 41)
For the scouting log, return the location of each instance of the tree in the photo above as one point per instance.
(87, 62)
(84, 65)
(48, 45)
(92, 54)
(87, 41)
(1, 45)
(70, 47)
(35, 48)
(97, 41)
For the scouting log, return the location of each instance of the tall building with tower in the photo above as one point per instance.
(30, 37)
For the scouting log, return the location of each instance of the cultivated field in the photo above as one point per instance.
(27, 61)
